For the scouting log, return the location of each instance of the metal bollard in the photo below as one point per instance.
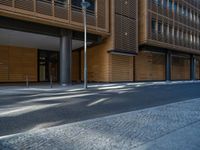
(27, 82)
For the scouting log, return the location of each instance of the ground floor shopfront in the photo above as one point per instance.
(17, 64)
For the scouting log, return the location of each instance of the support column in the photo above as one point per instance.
(168, 66)
(65, 57)
(192, 67)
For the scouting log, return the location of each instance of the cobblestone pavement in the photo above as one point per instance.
(168, 127)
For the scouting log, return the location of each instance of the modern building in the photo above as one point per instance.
(128, 40)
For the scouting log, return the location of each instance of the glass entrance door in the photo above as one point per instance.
(48, 66)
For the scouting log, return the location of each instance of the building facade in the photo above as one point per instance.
(128, 40)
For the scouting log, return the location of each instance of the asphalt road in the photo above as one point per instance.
(22, 110)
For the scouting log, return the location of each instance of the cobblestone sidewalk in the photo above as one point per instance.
(173, 126)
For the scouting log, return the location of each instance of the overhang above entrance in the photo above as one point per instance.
(33, 40)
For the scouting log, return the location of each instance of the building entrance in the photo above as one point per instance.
(48, 66)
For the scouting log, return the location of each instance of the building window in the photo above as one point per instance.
(164, 4)
(153, 26)
(175, 7)
(159, 27)
(170, 5)
(76, 4)
(166, 30)
(159, 2)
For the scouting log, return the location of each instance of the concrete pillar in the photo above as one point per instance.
(168, 66)
(192, 67)
(65, 57)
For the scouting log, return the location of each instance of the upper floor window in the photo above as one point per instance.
(170, 4)
(153, 26)
(159, 27)
(159, 2)
(164, 4)
(175, 7)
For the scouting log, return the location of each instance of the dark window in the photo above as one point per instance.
(166, 30)
(76, 4)
(164, 4)
(175, 7)
(153, 26)
(159, 2)
(159, 27)
(170, 5)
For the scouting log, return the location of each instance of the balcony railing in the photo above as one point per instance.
(60, 11)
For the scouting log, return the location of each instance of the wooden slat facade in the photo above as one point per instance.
(197, 69)
(180, 28)
(150, 66)
(17, 63)
(59, 14)
(121, 68)
(76, 66)
(180, 68)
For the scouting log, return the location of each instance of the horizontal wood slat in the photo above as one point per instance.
(18, 63)
(180, 68)
(150, 66)
(4, 63)
(25, 4)
(122, 68)
(58, 13)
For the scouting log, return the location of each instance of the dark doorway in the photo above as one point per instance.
(48, 66)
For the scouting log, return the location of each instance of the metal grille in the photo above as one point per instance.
(61, 10)
(126, 8)
(6, 2)
(44, 7)
(25, 4)
(77, 16)
(125, 29)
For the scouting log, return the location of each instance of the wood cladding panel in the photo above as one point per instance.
(101, 11)
(149, 66)
(19, 63)
(76, 66)
(142, 18)
(44, 7)
(122, 68)
(125, 34)
(197, 69)
(98, 62)
(180, 68)
(25, 4)
(4, 63)
(61, 12)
